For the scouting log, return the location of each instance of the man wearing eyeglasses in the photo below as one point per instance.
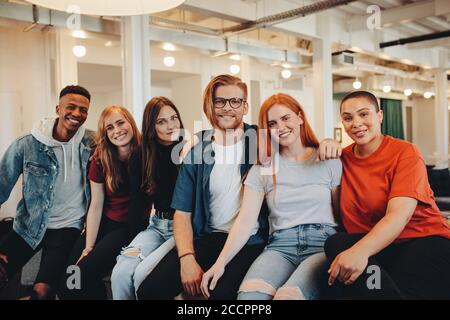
(207, 199)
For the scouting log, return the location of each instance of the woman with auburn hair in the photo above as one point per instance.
(394, 229)
(153, 177)
(301, 194)
(107, 225)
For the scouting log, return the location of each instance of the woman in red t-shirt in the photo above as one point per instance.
(95, 253)
(397, 243)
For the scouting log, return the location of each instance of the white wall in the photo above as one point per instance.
(99, 101)
(24, 90)
(423, 127)
(162, 91)
(187, 96)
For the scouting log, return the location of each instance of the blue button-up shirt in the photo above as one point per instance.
(192, 192)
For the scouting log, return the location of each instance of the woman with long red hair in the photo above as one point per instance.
(301, 194)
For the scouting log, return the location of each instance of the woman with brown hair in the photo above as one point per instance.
(153, 178)
(118, 138)
(301, 194)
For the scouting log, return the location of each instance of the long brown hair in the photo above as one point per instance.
(106, 152)
(149, 144)
(307, 136)
(210, 90)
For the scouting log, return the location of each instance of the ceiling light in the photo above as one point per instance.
(234, 69)
(169, 61)
(286, 65)
(168, 46)
(79, 51)
(427, 94)
(286, 74)
(357, 84)
(407, 92)
(387, 88)
(79, 34)
(109, 7)
(235, 57)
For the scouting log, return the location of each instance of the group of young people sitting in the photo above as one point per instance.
(236, 212)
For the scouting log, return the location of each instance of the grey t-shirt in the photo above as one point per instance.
(303, 191)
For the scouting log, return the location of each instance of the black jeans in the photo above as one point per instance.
(55, 245)
(112, 236)
(413, 269)
(164, 282)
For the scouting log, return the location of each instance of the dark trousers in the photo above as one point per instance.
(164, 282)
(55, 245)
(412, 269)
(112, 236)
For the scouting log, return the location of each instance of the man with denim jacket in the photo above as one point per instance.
(207, 199)
(52, 161)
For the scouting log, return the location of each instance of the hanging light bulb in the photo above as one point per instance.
(80, 34)
(407, 92)
(110, 7)
(286, 73)
(357, 84)
(387, 88)
(79, 51)
(235, 57)
(234, 69)
(169, 61)
(427, 94)
(168, 46)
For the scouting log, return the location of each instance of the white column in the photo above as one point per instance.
(136, 81)
(245, 76)
(66, 62)
(322, 79)
(441, 118)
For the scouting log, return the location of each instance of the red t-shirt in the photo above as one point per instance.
(395, 169)
(116, 203)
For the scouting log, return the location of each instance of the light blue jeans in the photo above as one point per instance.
(140, 257)
(292, 266)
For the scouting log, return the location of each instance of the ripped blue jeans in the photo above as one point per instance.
(140, 257)
(291, 267)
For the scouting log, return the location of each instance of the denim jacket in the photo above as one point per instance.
(39, 167)
(192, 192)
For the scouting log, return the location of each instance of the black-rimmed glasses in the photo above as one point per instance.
(234, 103)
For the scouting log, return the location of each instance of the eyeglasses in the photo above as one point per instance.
(235, 103)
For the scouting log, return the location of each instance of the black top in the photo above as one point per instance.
(166, 173)
(165, 177)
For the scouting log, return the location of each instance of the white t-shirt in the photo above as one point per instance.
(225, 186)
(302, 194)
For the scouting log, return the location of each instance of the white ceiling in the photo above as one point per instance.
(103, 78)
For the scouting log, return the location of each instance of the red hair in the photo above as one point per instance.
(210, 91)
(307, 136)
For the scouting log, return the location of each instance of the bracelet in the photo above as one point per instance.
(186, 254)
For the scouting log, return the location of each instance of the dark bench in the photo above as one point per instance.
(440, 183)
